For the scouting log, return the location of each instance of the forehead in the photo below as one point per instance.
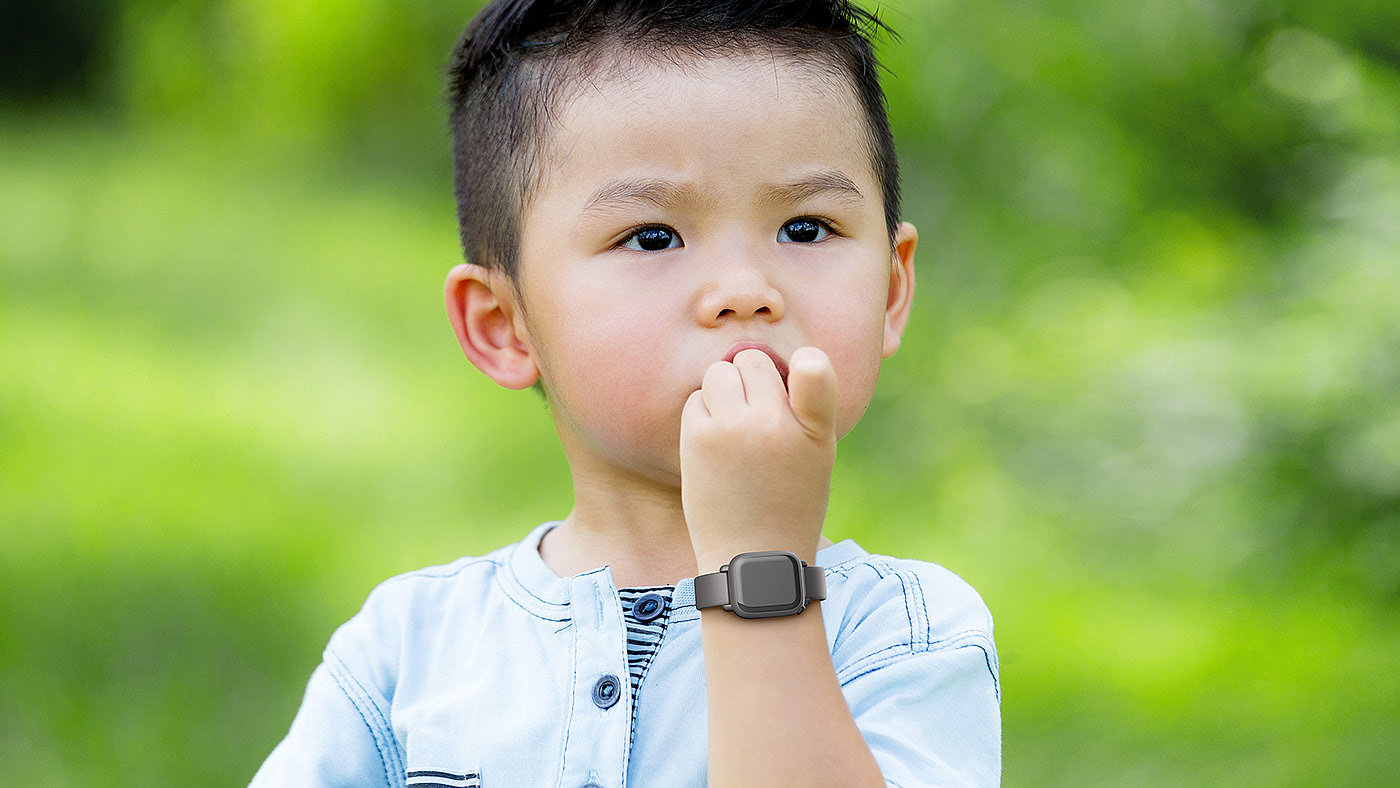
(722, 121)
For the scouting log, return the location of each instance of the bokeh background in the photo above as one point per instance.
(1147, 403)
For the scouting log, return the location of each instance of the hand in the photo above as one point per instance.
(756, 459)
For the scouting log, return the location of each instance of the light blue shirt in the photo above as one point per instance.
(494, 672)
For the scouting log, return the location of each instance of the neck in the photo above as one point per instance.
(634, 526)
(640, 533)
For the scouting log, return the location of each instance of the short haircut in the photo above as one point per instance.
(520, 60)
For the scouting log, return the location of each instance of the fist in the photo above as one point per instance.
(756, 457)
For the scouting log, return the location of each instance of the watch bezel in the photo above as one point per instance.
(734, 572)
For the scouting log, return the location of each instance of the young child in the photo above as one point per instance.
(681, 222)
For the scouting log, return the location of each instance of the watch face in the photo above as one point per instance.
(765, 584)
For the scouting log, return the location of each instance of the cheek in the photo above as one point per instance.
(854, 342)
(856, 387)
(609, 372)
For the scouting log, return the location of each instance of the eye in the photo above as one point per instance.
(651, 239)
(806, 230)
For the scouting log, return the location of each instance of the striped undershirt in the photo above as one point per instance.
(643, 637)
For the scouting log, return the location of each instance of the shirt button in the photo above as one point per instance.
(648, 606)
(606, 691)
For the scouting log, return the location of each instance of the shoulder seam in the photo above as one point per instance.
(441, 572)
(843, 568)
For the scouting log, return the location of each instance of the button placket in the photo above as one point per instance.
(599, 728)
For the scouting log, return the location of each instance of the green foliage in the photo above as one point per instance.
(1146, 403)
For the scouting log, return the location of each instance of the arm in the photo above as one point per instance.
(776, 712)
(756, 466)
(334, 740)
(932, 718)
(927, 707)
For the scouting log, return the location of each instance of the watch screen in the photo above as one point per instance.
(769, 581)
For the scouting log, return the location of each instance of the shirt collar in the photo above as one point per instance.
(534, 586)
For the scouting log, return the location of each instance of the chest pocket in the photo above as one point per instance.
(441, 778)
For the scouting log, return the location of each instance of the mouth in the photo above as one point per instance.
(777, 358)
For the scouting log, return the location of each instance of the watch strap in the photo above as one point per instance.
(712, 590)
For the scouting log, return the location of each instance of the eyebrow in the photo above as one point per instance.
(667, 194)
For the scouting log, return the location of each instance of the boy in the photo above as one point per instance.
(681, 223)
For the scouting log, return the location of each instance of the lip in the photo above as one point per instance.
(777, 357)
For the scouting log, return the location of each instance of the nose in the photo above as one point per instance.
(739, 290)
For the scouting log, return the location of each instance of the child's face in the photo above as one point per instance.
(622, 326)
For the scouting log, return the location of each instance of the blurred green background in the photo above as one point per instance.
(1147, 403)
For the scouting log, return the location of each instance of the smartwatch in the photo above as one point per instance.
(764, 584)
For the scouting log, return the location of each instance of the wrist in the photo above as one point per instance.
(761, 584)
(710, 559)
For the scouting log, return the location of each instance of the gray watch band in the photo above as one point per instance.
(712, 590)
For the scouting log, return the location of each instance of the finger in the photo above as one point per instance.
(762, 382)
(693, 416)
(812, 391)
(694, 410)
(722, 388)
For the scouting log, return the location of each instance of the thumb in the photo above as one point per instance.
(812, 392)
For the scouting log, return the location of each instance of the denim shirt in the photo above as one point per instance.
(492, 671)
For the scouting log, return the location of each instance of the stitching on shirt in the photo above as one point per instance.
(441, 572)
(573, 703)
(354, 692)
(568, 619)
(990, 656)
(969, 639)
(946, 644)
(873, 665)
(875, 656)
(510, 570)
(385, 730)
(527, 610)
(598, 609)
(914, 638)
(883, 569)
(924, 631)
(920, 624)
(507, 569)
(501, 564)
(526, 588)
(987, 657)
(849, 561)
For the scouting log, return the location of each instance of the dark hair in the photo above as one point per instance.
(519, 60)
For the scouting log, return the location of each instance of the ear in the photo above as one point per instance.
(901, 296)
(482, 308)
